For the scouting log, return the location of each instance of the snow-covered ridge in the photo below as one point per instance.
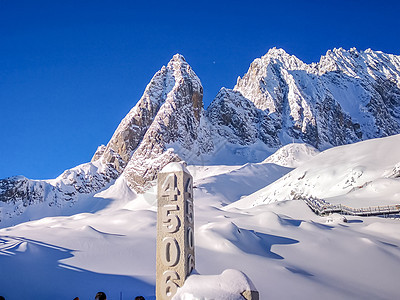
(358, 175)
(292, 155)
(348, 96)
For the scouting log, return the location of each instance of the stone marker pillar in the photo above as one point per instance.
(175, 228)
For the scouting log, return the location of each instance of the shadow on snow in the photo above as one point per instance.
(24, 262)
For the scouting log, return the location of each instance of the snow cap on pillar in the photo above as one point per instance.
(175, 167)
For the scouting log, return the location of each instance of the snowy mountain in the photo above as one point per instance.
(167, 121)
(167, 118)
(347, 97)
(178, 126)
(94, 226)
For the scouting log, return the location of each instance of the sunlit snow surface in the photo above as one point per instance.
(108, 242)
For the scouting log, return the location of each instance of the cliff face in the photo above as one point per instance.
(239, 121)
(134, 126)
(346, 97)
(178, 127)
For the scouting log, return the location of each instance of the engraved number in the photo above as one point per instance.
(169, 287)
(190, 265)
(189, 211)
(190, 238)
(169, 188)
(170, 252)
(189, 188)
(171, 222)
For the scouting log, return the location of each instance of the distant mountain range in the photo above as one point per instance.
(348, 96)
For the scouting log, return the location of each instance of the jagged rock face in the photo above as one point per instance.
(347, 97)
(133, 127)
(239, 121)
(266, 82)
(177, 78)
(394, 173)
(85, 179)
(20, 188)
(385, 107)
(179, 123)
(19, 192)
(378, 74)
(332, 126)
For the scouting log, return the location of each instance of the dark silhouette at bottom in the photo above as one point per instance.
(100, 296)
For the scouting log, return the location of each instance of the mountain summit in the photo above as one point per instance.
(173, 101)
(346, 97)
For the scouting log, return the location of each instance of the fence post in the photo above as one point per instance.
(175, 229)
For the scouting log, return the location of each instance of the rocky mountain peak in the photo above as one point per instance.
(178, 122)
(184, 77)
(177, 65)
(178, 57)
(165, 123)
(346, 90)
(281, 57)
(165, 88)
(178, 68)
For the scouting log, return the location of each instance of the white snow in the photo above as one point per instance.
(229, 285)
(292, 155)
(175, 167)
(107, 242)
(357, 175)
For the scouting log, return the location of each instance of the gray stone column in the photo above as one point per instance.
(175, 229)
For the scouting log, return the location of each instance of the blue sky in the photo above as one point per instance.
(71, 70)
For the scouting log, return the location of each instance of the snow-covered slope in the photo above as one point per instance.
(277, 245)
(358, 175)
(292, 155)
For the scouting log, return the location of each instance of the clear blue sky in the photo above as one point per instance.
(71, 70)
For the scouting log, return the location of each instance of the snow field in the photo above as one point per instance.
(107, 242)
